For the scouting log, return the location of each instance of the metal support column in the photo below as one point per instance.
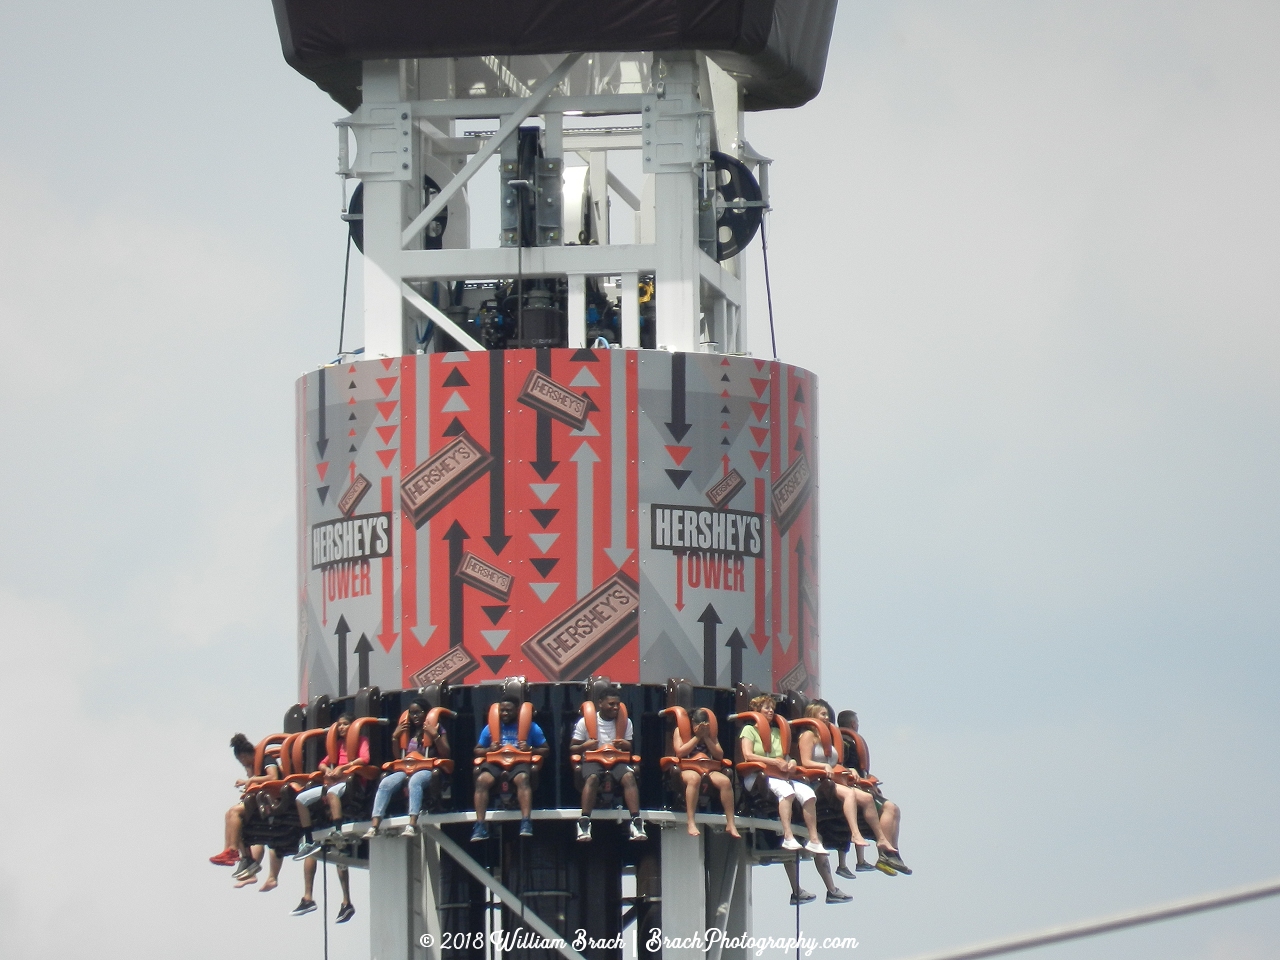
(385, 162)
(674, 149)
(390, 895)
(684, 910)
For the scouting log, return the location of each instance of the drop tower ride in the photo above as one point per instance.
(555, 459)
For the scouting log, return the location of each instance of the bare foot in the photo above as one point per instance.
(245, 882)
(861, 841)
(269, 885)
(733, 832)
(885, 847)
(693, 831)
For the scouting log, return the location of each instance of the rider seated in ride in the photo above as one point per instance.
(519, 751)
(335, 773)
(605, 751)
(779, 773)
(246, 860)
(417, 739)
(888, 814)
(699, 759)
(820, 749)
(780, 779)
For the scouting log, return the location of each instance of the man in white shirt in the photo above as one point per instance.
(607, 734)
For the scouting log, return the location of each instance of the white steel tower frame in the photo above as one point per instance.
(673, 107)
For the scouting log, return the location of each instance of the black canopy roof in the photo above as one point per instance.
(776, 48)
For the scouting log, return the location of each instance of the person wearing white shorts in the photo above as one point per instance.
(778, 778)
(788, 791)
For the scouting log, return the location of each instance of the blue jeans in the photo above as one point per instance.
(393, 782)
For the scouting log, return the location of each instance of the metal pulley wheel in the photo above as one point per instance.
(738, 205)
(432, 236)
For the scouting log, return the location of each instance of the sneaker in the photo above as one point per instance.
(817, 849)
(804, 896)
(370, 833)
(584, 829)
(480, 832)
(409, 831)
(895, 861)
(846, 873)
(526, 827)
(306, 851)
(790, 843)
(863, 867)
(247, 869)
(884, 868)
(838, 896)
(227, 858)
(637, 829)
(304, 907)
(346, 912)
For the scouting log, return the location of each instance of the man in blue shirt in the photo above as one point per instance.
(490, 773)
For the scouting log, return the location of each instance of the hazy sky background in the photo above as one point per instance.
(1033, 251)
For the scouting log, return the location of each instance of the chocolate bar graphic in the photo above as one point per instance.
(451, 668)
(795, 680)
(442, 476)
(484, 576)
(809, 595)
(588, 633)
(790, 493)
(726, 489)
(544, 394)
(355, 493)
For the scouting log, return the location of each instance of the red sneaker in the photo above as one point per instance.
(227, 858)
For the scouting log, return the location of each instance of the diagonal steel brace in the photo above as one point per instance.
(522, 113)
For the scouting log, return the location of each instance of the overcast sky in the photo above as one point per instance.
(1032, 250)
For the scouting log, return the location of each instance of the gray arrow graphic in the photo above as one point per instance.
(586, 460)
(618, 551)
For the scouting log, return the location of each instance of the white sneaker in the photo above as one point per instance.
(637, 830)
(409, 831)
(790, 843)
(584, 829)
(814, 847)
(370, 833)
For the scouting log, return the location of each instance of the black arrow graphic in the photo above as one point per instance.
(544, 466)
(497, 538)
(323, 443)
(363, 649)
(736, 644)
(709, 620)
(342, 632)
(455, 536)
(678, 426)
(800, 591)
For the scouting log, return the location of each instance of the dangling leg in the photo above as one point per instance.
(382, 799)
(692, 782)
(867, 804)
(725, 786)
(273, 873)
(418, 785)
(849, 804)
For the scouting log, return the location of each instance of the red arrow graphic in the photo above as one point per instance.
(388, 636)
